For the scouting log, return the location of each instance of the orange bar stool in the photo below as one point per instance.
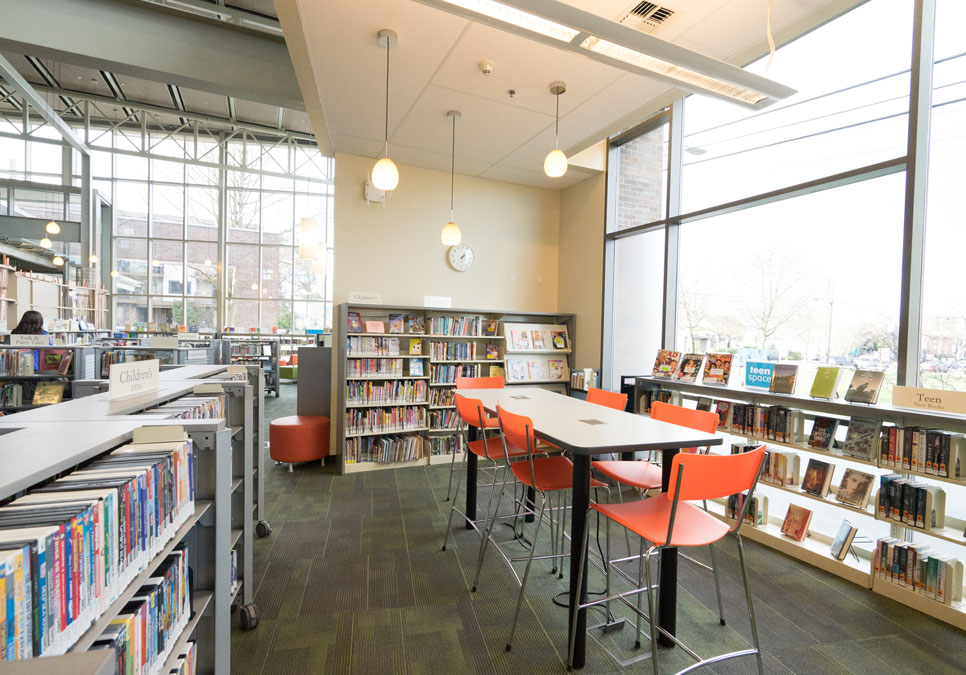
(298, 438)
(493, 449)
(489, 422)
(671, 520)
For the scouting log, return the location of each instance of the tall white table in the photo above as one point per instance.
(586, 429)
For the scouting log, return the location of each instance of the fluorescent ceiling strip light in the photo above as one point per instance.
(566, 27)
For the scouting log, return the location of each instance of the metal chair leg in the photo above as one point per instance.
(489, 532)
(751, 608)
(452, 470)
(452, 509)
(652, 612)
(563, 521)
(644, 566)
(554, 524)
(526, 573)
(717, 585)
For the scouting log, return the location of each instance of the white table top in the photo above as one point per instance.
(587, 428)
(191, 372)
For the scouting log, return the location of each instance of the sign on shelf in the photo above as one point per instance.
(933, 400)
(137, 377)
(365, 298)
(30, 340)
(437, 301)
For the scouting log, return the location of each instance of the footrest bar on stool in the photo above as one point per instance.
(716, 659)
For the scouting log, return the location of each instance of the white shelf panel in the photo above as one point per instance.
(358, 467)
(830, 501)
(951, 614)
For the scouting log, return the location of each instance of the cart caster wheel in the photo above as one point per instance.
(249, 617)
(263, 528)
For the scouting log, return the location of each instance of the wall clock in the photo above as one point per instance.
(460, 257)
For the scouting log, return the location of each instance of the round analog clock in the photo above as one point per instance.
(460, 257)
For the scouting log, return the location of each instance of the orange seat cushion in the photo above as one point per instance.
(642, 475)
(648, 518)
(299, 438)
(549, 474)
(492, 448)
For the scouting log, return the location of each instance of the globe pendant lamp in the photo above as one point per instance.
(385, 175)
(52, 228)
(451, 235)
(555, 164)
(58, 261)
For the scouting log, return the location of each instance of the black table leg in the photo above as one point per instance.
(531, 500)
(667, 611)
(581, 500)
(471, 469)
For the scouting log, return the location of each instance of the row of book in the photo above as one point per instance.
(459, 325)
(372, 420)
(72, 546)
(774, 423)
(398, 323)
(796, 526)
(648, 396)
(143, 635)
(192, 407)
(394, 391)
(440, 397)
(112, 356)
(445, 445)
(928, 451)
(187, 661)
(251, 348)
(376, 367)
(910, 503)
(537, 340)
(523, 370)
(915, 567)
(757, 513)
(454, 351)
(16, 362)
(11, 395)
(372, 346)
(444, 419)
(440, 374)
(579, 379)
(383, 449)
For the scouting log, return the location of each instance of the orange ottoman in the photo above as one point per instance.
(300, 438)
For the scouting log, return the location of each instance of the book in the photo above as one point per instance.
(355, 323)
(559, 339)
(416, 324)
(758, 374)
(492, 351)
(843, 540)
(537, 369)
(415, 347)
(796, 522)
(65, 362)
(783, 379)
(723, 409)
(703, 404)
(855, 488)
(396, 323)
(818, 478)
(491, 326)
(516, 370)
(538, 339)
(690, 368)
(520, 340)
(416, 368)
(826, 382)
(557, 368)
(862, 437)
(666, 363)
(48, 392)
(717, 369)
(865, 386)
(497, 371)
(822, 435)
(375, 327)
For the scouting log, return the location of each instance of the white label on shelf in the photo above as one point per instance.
(437, 301)
(365, 297)
(937, 400)
(161, 342)
(189, 336)
(198, 355)
(137, 377)
(30, 340)
(89, 366)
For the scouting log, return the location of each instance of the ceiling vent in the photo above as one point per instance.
(646, 17)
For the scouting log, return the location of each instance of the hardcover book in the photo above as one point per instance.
(355, 323)
(48, 392)
(818, 478)
(843, 540)
(796, 522)
(717, 369)
(783, 379)
(758, 374)
(690, 368)
(703, 404)
(855, 488)
(823, 433)
(825, 384)
(865, 386)
(862, 438)
(559, 338)
(557, 368)
(666, 363)
(396, 323)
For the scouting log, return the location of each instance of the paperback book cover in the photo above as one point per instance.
(65, 362)
(818, 478)
(783, 380)
(862, 438)
(416, 324)
(796, 522)
(539, 339)
(690, 368)
(723, 408)
(703, 404)
(758, 374)
(855, 488)
(865, 386)
(843, 540)
(48, 392)
(666, 363)
(537, 369)
(491, 326)
(492, 351)
(375, 327)
(516, 370)
(416, 368)
(717, 369)
(558, 370)
(355, 323)
(520, 340)
(825, 384)
(415, 347)
(823, 433)
(396, 323)
(559, 338)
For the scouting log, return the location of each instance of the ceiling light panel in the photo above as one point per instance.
(516, 17)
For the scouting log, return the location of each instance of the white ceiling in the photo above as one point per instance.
(435, 69)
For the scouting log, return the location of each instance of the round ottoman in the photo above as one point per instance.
(299, 438)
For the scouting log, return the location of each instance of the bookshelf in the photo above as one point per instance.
(107, 354)
(21, 291)
(249, 350)
(816, 548)
(402, 365)
(49, 358)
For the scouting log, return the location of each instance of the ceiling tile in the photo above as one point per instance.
(538, 178)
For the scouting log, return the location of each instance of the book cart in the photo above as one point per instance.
(81, 368)
(263, 351)
(396, 385)
(50, 449)
(815, 549)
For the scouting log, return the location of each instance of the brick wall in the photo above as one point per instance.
(640, 192)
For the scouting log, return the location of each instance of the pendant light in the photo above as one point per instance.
(451, 235)
(46, 243)
(555, 164)
(58, 261)
(92, 259)
(52, 228)
(385, 175)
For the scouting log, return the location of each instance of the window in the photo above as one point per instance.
(642, 178)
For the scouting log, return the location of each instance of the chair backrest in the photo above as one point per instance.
(715, 476)
(496, 382)
(470, 410)
(700, 420)
(609, 399)
(517, 429)
(293, 360)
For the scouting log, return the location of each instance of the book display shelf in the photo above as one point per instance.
(873, 525)
(51, 374)
(107, 354)
(54, 299)
(198, 529)
(398, 369)
(8, 297)
(248, 350)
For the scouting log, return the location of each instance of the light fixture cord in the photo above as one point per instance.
(452, 172)
(556, 125)
(388, 41)
(768, 35)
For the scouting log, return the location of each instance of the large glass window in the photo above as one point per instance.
(642, 178)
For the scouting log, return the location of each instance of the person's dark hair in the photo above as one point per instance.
(31, 323)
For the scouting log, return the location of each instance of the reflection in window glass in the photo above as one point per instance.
(850, 111)
(201, 270)
(201, 315)
(131, 210)
(242, 315)
(131, 263)
(242, 215)
(130, 310)
(202, 220)
(167, 211)
(243, 271)
(642, 179)
(167, 267)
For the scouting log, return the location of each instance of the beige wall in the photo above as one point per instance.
(513, 231)
(580, 283)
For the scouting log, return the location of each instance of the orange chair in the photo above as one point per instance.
(489, 422)
(299, 438)
(472, 415)
(608, 399)
(670, 520)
